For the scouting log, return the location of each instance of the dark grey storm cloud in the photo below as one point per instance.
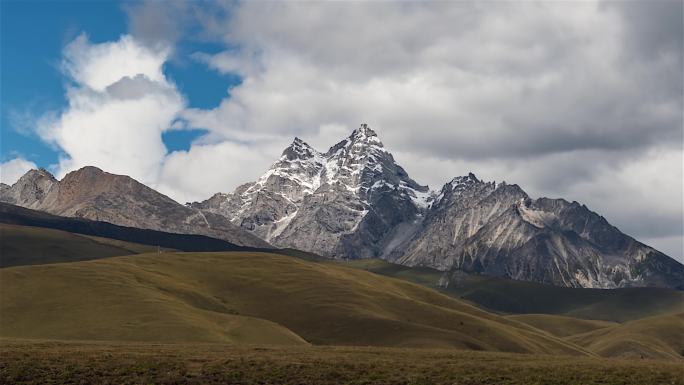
(653, 27)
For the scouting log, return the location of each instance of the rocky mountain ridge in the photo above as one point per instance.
(499, 230)
(354, 201)
(91, 193)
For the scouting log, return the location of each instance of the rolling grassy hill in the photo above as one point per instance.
(26, 245)
(520, 297)
(618, 305)
(265, 298)
(247, 298)
(495, 294)
(561, 326)
(654, 337)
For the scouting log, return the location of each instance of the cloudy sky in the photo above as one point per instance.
(581, 100)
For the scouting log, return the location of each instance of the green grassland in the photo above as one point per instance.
(106, 314)
(26, 245)
(243, 297)
(35, 362)
(263, 298)
(23, 245)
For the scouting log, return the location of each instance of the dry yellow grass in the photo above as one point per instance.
(247, 298)
(31, 362)
(653, 337)
(561, 326)
(262, 298)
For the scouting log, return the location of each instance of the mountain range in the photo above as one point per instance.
(91, 193)
(354, 201)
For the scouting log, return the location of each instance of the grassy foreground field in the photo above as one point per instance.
(264, 298)
(24, 362)
(248, 298)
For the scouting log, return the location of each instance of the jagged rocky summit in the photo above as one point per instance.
(354, 201)
(346, 202)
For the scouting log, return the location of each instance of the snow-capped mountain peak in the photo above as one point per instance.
(355, 201)
(362, 165)
(299, 150)
(365, 134)
(353, 175)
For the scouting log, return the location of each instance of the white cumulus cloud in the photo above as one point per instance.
(13, 169)
(119, 103)
(97, 66)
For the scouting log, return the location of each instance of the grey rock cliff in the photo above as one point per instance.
(498, 230)
(31, 190)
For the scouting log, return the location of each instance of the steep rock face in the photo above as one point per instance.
(342, 203)
(608, 258)
(498, 230)
(30, 190)
(94, 194)
(462, 208)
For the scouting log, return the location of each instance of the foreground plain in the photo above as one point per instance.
(254, 317)
(25, 362)
(248, 298)
(264, 298)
